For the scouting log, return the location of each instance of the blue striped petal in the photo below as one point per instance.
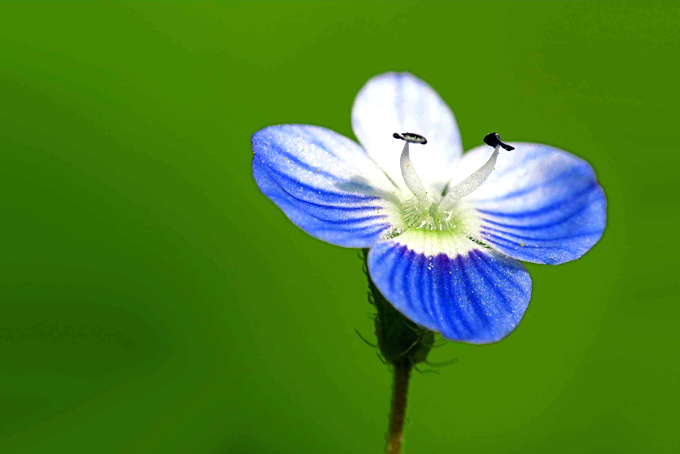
(401, 102)
(325, 183)
(541, 205)
(449, 284)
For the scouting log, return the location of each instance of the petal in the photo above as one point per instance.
(449, 284)
(325, 183)
(541, 205)
(400, 102)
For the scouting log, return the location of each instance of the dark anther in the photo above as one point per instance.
(493, 140)
(410, 137)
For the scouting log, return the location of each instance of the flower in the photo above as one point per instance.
(445, 231)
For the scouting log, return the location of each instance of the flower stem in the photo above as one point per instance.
(402, 344)
(395, 437)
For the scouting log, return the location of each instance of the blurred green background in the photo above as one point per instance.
(153, 301)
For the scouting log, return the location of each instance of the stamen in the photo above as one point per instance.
(468, 185)
(410, 137)
(493, 139)
(408, 172)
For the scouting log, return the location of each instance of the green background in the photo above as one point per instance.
(153, 301)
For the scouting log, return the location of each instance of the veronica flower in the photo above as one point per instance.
(445, 230)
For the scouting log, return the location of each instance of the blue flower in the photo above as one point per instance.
(445, 230)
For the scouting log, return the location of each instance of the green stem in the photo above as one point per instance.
(402, 344)
(395, 435)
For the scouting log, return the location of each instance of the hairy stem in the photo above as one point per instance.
(395, 435)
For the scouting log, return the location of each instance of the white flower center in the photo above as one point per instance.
(432, 211)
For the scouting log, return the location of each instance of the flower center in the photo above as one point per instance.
(431, 211)
(418, 216)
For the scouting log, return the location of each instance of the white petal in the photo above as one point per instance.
(400, 102)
